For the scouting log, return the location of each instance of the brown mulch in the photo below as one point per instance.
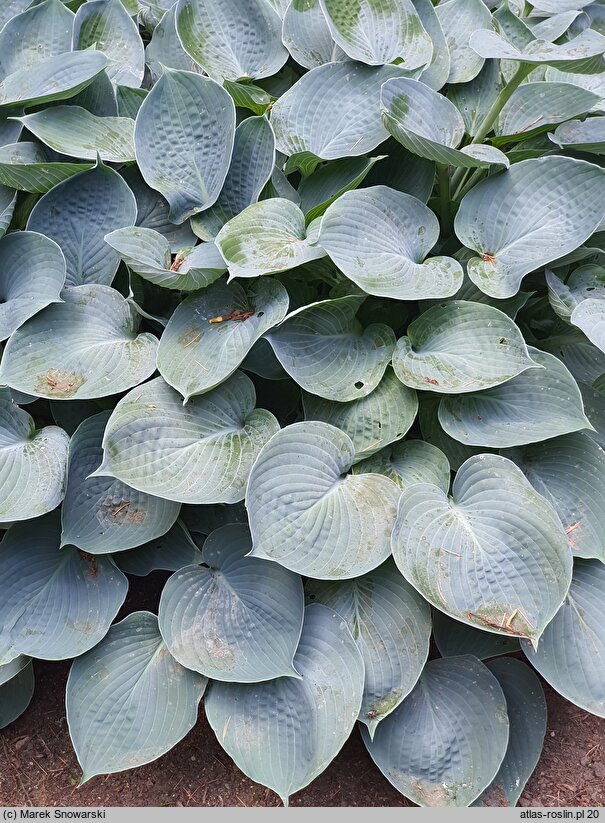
(38, 766)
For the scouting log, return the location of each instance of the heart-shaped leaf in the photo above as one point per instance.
(24, 166)
(332, 111)
(235, 618)
(252, 162)
(408, 463)
(233, 39)
(42, 31)
(537, 404)
(32, 274)
(107, 26)
(57, 603)
(526, 708)
(284, 733)
(86, 346)
(379, 33)
(453, 638)
(128, 700)
(74, 131)
(306, 34)
(201, 452)
(527, 216)
(16, 693)
(307, 514)
(494, 555)
(428, 124)
(77, 214)
(460, 346)
(32, 465)
(183, 137)
(324, 348)
(583, 54)
(570, 473)
(459, 19)
(170, 552)
(572, 649)
(101, 515)
(209, 334)
(391, 625)
(54, 78)
(379, 238)
(147, 253)
(444, 744)
(267, 237)
(371, 422)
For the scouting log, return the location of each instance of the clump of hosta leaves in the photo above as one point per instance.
(304, 303)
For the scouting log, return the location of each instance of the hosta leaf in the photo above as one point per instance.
(44, 30)
(74, 131)
(324, 348)
(234, 39)
(77, 214)
(201, 346)
(284, 733)
(107, 26)
(57, 603)
(589, 316)
(526, 708)
(453, 638)
(148, 254)
(10, 8)
(308, 515)
(436, 73)
(24, 166)
(247, 95)
(572, 649)
(511, 306)
(594, 404)
(165, 49)
(153, 212)
(371, 422)
(403, 171)
(473, 100)
(535, 405)
(494, 555)
(8, 198)
(269, 236)
(379, 238)
(332, 111)
(583, 54)
(184, 135)
(432, 431)
(55, 78)
(12, 669)
(533, 106)
(252, 162)
(408, 463)
(570, 473)
(32, 465)
(128, 700)
(427, 124)
(170, 552)
(87, 346)
(525, 217)
(581, 135)
(201, 452)
(459, 19)
(16, 693)
(306, 33)
(32, 274)
(444, 744)
(391, 625)
(584, 284)
(205, 519)
(235, 618)
(552, 28)
(10, 129)
(99, 97)
(460, 346)
(379, 32)
(330, 181)
(102, 515)
(129, 101)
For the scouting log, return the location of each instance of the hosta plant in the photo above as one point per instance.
(303, 303)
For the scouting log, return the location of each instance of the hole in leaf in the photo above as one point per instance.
(260, 314)
(359, 384)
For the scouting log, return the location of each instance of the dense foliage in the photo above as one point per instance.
(304, 302)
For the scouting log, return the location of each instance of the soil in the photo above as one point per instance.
(38, 766)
